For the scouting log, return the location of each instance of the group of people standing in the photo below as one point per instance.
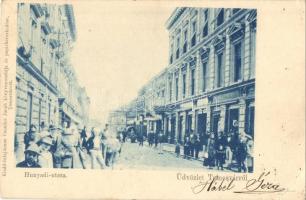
(222, 150)
(231, 150)
(69, 147)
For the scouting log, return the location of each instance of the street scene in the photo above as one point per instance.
(194, 108)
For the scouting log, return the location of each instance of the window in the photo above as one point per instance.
(194, 30)
(185, 42)
(176, 88)
(184, 85)
(220, 70)
(206, 15)
(205, 30)
(192, 82)
(29, 109)
(185, 35)
(33, 34)
(205, 81)
(163, 93)
(205, 27)
(177, 48)
(237, 62)
(220, 17)
(171, 54)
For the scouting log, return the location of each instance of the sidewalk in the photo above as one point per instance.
(171, 149)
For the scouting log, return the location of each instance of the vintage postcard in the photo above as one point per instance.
(152, 99)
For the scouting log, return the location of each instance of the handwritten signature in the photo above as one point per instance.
(253, 186)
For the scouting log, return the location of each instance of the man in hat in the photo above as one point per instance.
(31, 136)
(31, 157)
(45, 159)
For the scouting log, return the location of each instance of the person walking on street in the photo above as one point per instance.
(56, 136)
(177, 149)
(211, 150)
(84, 136)
(94, 147)
(220, 150)
(160, 142)
(241, 154)
(186, 147)
(141, 133)
(71, 141)
(197, 146)
(192, 144)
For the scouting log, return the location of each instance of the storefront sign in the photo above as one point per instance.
(185, 106)
(226, 97)
(202, 102)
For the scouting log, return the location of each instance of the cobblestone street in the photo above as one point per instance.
(144, 157)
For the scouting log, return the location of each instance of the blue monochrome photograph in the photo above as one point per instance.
(117, 106)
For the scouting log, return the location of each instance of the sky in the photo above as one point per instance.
(119, 48)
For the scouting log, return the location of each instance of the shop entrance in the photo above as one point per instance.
(233, 118)
(201, 128)
(202, 119)
(188, 124)
(215, 122)
(250, 121)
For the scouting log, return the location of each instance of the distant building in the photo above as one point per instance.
(117, 119)
(47, 88)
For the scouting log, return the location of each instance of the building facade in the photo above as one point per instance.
(47, 89)
(210, 78)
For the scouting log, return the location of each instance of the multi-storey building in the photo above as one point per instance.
(211, 72)
(210, 79)
(47, 89)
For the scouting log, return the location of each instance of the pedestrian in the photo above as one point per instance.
(229, 147)
(250, 158)
(115, 146)
(160, 141)
(241, 154)
(31, 136)
(192, 144)
(186, 147)
(84, 136)
(55, 149)
(45, 159)
(94, 146)
(177, 149)
(31, 157)
(220, 150)
(156, 139)
(71, 141)
(197, 146)
(211, 150)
